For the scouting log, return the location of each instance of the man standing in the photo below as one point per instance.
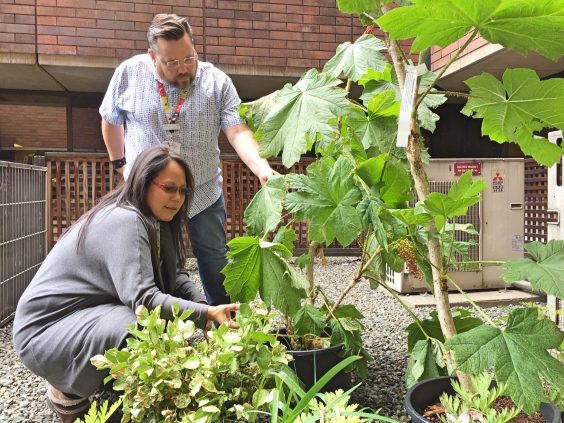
(167, 96)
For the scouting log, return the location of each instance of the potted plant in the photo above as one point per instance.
(370, 158)
(165, 375)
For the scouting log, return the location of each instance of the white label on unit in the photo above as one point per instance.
(404, 124)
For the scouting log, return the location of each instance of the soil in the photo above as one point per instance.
(435, 411)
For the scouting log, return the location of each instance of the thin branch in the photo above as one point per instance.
(453, 93)
(476, 306)
(445, 67)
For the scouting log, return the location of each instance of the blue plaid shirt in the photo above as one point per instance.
(212, 104)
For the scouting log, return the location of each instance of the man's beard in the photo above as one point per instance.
(182, 81)
(176, 81)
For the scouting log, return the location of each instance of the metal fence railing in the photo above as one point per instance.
(23, 230)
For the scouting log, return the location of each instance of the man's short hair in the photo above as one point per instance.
(168, 27)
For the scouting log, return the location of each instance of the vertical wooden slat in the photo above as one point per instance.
(76, 187)
(67, 195)
(92, 198)
(59, 208)
(84, 195)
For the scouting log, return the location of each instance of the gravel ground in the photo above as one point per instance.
(22, 393)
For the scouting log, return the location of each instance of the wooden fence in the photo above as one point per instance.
(536, 202)
(78, 182)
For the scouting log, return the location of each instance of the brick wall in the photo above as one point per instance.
(284, 33)
(17, 26)
(86, 130)
(441, 56)
(33, 127)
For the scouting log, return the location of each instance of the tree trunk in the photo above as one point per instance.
(421, 184)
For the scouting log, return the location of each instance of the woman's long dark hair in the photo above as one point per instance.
(132, 193)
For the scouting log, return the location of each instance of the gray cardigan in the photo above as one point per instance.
(81, 302)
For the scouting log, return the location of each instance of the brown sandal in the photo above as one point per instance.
(67, 410)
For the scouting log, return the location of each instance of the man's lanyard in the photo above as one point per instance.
(174, 116)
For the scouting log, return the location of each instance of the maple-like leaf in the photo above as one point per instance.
(300, 111)
(327, 198)
(512, 109)
(545, 271)
(354, 59)
(519, 355)
(264, 212)
(259, 267)
(521, 25)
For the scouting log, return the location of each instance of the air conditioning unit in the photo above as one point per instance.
(498, 218)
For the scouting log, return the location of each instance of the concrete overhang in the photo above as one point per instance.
(495, 59)
(42, 72)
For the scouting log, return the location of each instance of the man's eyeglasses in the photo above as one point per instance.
(173, 64)
(172, 189)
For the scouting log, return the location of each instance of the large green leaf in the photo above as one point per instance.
(521, 25)
(412, 218)
(511, 110)
(545, 271)
(371, 129)
(354, 59)
(372, 170)
(375, 82)
(463, 193)
(243, 272)
(396, 190)
(264, 212)
(309, 321)
(286, 236)
(301, 110)
(425, 362)
(466, 187)
(254, 112)
(463, 322)
(259, 267)
(519, 355)
(540, 148)
(327, 198)
(347, 331)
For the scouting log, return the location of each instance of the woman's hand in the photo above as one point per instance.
(222, 314)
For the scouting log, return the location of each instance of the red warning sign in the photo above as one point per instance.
(461, 167)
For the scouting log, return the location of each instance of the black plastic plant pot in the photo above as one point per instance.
(311, 365)
(427, 392)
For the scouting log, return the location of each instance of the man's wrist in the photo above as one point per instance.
(118, 163)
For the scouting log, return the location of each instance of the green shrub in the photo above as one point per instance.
(165, 378)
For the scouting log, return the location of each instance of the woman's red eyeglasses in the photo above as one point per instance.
(172, 189)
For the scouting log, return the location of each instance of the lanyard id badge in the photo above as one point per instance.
(172, 125)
